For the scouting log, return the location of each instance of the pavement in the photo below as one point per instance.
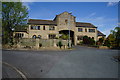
(81, 62)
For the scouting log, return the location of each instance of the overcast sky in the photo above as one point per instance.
(104, 15)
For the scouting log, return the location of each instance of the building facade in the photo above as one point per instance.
(64, 23)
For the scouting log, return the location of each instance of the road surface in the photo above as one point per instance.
(81, 62)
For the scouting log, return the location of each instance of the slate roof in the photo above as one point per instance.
(41, 22)
(100, 33)
(82, 24)
(53, 22)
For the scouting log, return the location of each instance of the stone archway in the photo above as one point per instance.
(66, 32)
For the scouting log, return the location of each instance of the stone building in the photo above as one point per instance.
(64, 23)
(101, 35)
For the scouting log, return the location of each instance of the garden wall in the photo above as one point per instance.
(37, 43)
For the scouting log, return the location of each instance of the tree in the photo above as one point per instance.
(101, 40)
(110, 41)
(116, 35)
(88, 40)
(59, 44)
(107, 43)
(64, 36)
(14, 14)
(85, 40)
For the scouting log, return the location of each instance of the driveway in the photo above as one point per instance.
(81, 62)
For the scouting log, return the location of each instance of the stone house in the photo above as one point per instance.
(64, 23)
(101, 35)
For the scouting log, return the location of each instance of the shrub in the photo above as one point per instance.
(100, 41)
(59, 44)
(89, 41)
(64, 36)
(107, 43)
(92, 41)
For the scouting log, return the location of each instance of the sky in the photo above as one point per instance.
(103, 15)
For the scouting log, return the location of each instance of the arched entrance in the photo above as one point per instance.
(66, 33)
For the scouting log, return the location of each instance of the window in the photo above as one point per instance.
(85, 30)
(66, 21)
(80, 29)
(39, 36)
(92, 37)
(79, 37)
(19, 35)
(35, 27)
(52, 36)
(43, 27)
(51, 28)
(34, 37)
(31, 27)
(38, 27)
(91, 30)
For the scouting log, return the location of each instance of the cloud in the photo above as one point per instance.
(27, 4)
(118, 24)
(92, 18)
(112, 3)
(99, 21)
(103, 23)
(91, 15)
(30, 0)
(107, 31)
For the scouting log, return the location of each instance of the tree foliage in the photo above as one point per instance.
(64, 36)
(116, 34)
(107, 43)
(113, 40)
(88, 40)
(60, 44)
(100, 41)
(14, 14)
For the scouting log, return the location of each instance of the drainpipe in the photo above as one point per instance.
(69, 45)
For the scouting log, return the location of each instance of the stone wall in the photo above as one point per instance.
(35, 43)
(44, 33)
(65, 21)
(89, 34)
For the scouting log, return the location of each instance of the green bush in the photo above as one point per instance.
(100, 41)
(88, 41)
(59, 44)
(64, 36)
(107, 43)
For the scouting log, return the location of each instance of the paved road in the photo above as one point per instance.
(82, 62)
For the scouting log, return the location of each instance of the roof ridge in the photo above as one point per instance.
(100, 33)
(40, 19)
(83, 22)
